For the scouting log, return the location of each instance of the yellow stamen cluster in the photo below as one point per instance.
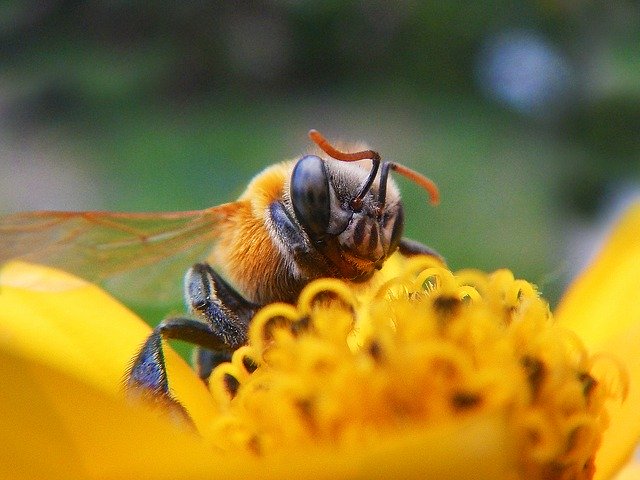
(426, 348)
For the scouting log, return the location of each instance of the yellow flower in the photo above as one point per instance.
(432, 374)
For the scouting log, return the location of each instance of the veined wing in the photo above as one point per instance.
(139, 256)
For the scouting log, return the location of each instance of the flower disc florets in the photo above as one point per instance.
(427, 348)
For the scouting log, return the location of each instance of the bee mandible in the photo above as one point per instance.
(296, 221)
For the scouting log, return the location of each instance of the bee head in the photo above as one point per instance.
(352, 217)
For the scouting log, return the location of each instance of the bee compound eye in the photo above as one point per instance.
(310, 195)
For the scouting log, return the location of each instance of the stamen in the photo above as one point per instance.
(375, 158)
(416, 353)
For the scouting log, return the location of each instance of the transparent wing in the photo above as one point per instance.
(140, 257)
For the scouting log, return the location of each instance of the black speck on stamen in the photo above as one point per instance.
(572, 440)
(588, 383)
(249, 364)
(305, 406)
(301, 325)
(553, 470)
(589, 468)
(375, 350)
(273, 324)
(533, 436)
(536, 372)
(306, 409)
(445, 304)
(232, 384)
(253, 445)
(445, 308)
(465, 400)
(328, 298)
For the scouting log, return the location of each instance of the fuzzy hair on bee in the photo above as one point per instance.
(296, 221)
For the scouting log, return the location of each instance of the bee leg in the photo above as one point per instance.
(222, 319)
(216, 303)
(206, 360)
(409, 248)
(224, 315)
(221, 307)
(147, 377)
(286, 228)
(292, 236)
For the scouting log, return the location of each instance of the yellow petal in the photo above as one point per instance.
(75, 327)
(55, 426)
(630, 472)
(477, 449)
(602, 306)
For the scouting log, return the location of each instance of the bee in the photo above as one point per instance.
(296, 221)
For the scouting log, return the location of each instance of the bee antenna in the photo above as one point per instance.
(415, 177)
(374, 156)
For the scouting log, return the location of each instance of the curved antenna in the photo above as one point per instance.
(330, 150)
(375, 158)
(417, 178)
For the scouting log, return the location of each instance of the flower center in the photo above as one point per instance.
(426, 348)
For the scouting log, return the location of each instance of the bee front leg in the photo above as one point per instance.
(147, 376)
(221, 324)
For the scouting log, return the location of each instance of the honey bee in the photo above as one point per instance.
(296, 221)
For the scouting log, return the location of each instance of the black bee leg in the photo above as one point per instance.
(410, 248)
(222, 319)
(205, 360)
(219, 305)
(291, 235)
(216, 303)
(147, 377)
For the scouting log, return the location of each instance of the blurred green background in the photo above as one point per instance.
(526, 114)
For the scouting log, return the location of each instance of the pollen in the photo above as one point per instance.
(428, 347)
